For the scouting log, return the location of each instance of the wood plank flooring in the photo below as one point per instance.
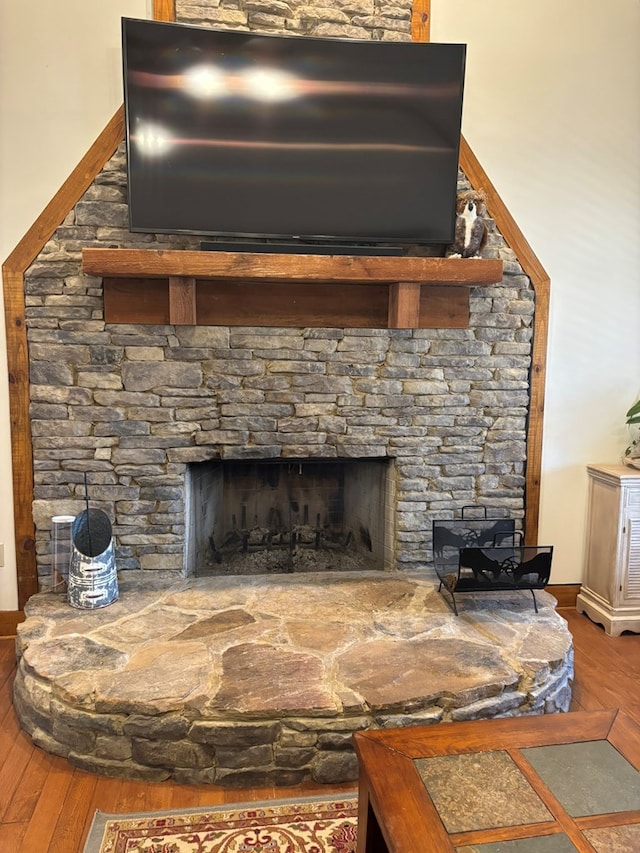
(46, 805)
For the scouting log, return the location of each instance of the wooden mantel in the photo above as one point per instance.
(236, 288)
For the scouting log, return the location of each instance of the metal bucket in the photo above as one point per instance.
(93, 580)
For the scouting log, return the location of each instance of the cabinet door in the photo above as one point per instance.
(603, 544)
(630, 593)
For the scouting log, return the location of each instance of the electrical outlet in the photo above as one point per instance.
(1, 554)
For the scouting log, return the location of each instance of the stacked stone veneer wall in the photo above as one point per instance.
(132, 405)
(365, 19)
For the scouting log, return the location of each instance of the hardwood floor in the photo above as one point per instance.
(607, 669)
(46, 806)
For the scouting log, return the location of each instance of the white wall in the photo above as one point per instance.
(552, 110)
(60, 82)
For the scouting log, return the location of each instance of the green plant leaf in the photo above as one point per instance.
(633, 415)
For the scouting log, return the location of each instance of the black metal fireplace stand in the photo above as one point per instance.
(481, 554)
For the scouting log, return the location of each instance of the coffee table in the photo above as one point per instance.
(556, 783)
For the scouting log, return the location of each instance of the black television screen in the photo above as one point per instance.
(234, 133)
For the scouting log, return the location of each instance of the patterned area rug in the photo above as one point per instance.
(309, 825)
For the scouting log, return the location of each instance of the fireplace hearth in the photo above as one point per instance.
(243, 681)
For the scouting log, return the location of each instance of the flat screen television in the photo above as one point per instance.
(244, 135)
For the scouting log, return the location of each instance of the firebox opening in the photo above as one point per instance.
(298, 515)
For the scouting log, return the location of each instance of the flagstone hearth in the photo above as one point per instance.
(242, 681)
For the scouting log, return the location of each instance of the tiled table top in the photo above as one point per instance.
(566, 784)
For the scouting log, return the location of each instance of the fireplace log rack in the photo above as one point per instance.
(480, 554)
(255, 539)
(282, 540)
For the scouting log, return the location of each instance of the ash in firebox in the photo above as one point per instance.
(305, 549)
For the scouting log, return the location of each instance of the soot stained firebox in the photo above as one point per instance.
(264, 516)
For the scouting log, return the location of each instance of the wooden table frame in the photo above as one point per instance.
(396, 814)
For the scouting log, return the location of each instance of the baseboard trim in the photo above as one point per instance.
(9, 621)
(565, 593)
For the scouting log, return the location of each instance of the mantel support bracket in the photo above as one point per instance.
(404, 305)
(182, 301)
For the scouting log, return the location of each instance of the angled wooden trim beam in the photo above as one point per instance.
(541, 285)
(420, 31)
(13, 271)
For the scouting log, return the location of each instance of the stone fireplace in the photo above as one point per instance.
(272, 488)
(439, 413)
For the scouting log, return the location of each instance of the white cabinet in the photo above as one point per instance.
(610, 594)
